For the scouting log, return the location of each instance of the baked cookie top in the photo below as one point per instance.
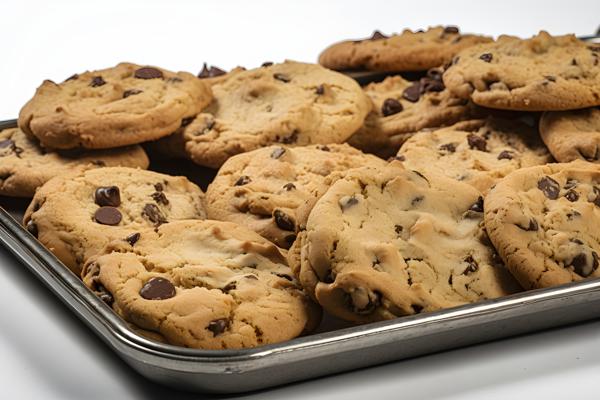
(25, 165)
(117, 106)
(408, 51)
(477, 152)
(272, 190)
(76, 215)
(401, 108)
(386, 242)
(203, 284)
(290, 103)
(538, 74)
(572, 135)
(544, 222)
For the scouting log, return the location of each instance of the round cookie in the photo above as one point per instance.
(401, 108)
(477, 152)
(76, 215)
(290, 103)
(203, 284)
(572, 135)
(387, 242)
(113, 107)
(408, 51)
(538, 74)
(272, 190)
(25, 165)
(544, 222)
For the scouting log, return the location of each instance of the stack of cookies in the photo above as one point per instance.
(471, 172)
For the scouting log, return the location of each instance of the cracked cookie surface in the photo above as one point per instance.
(572, 135)
(387, 242)
(401, 108)
(544, 222)
(272, 190)
(408, 51)
(477, 152)
(538, 74)
(290, 103)
(203, 284)
(25, 165)
(113, 107)
(76, 215)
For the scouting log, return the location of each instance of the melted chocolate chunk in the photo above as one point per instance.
(218, 326)
(284, 221)
(242, 180)
(549, 187)
(391, 107)
(584, 265)
(431, 85)
(153, 213)
(412, 93)
(478, 205)
(320, 90)
(159, 187)
(148, 73)
(505, 155)
(472, 265)
(398, 228)
(131, 92)
(97, 81)
(133, 238)
(157, 289)
(476, 142)
(210, 72)
(107, 196)
(107, 215)
(160, 198)
(572, 195)
(451, 29)
(289, 186)
(282, 77)
(449, 147)
(267, 64)
(278, 152)
(487, 57)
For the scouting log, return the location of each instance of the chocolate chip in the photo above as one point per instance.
(487, 57)
(218, 326)
(378, 36)
(157, 289)
(397, 158)
(289, 186)
(153, 213)
(476, 142)
(107, 196)
(533, 226)
(472, 265)
(583, 266)
(6, 143)
(282, 77)
(347, 202)
(278, 152)
(72, 77)
(267, 64)
(97, 81)
(108, 216)
(148, 73)
(291, 138)
(32, 228)
(133, 238)
(391, 107)
(573, 62)
(549, 187)
(505, 155)
(324, 148)
(131, 92)
(284, 221)
(412, 93)
(431, 85)
(242, 180)
(449, 147)
(229, 287)
(210, 72)
(320, 90)
(451, 29)
(572, 195)
(478, 205)
(398, 228)
(159, 187)
(160, 198)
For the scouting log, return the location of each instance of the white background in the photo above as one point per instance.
(45, 353)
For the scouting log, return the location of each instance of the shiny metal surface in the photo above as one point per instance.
(230, 371)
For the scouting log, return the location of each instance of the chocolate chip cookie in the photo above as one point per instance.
(113, 107)
(272, 190)
(290, 103)
(538, 74)
(408, 51)
(387, 242)
(544, 222)
(75, 215)
(477, 152)
(572, 135)
(25, 165)
(203, 284)
(401, 108)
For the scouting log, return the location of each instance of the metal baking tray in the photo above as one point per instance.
(336, 347)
